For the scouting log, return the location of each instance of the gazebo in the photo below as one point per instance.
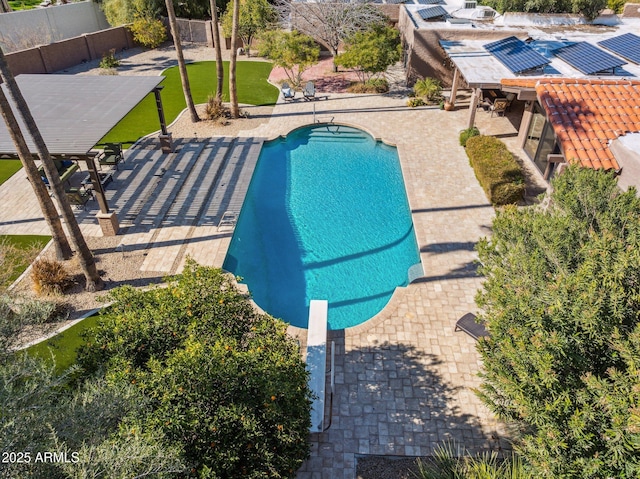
(74, 112)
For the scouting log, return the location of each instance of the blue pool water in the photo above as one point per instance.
(326, 217)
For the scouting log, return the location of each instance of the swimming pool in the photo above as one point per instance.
(326, 217)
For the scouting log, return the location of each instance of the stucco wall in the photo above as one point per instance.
(29, 28)
(67, 53)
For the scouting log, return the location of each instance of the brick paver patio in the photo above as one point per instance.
(403, 380)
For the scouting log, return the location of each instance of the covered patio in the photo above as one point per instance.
(73, 113)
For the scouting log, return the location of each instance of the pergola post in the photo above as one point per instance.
(108, 220)
(475, 97)
(454, 86)
(165, 137)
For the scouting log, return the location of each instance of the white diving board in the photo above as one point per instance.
(317, 359)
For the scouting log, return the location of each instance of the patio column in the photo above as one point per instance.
(475, 96)
(454, 86)
(165, 136)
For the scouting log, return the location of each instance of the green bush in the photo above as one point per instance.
(497, 171)
(109, 60)
(416, 101)
(227, 384)
(468, 133)
(428, 88)
(148, 32)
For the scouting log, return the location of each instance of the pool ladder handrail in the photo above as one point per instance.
(229, 218)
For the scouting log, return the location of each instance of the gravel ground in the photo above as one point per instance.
(386, 467)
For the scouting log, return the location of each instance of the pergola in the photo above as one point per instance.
(74, 112)
(480, 69)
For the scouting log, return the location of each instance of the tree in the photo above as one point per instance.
(182, 68)
(292, 51)
(218, 50)
(60, 242)
(233, 86)
(330, 22)
(93, 282)
(255, 16)
(561, 300)
(371, 52)
(589, 8)
(227, 383)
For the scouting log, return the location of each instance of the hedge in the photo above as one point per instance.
(496, 169)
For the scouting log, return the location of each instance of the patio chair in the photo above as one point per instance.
(309, 91)
(111, 155)
(510, 98)
(469, 325)
(78, 197)
(287, 93)
(499, 106)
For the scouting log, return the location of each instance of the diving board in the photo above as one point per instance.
(317, 359)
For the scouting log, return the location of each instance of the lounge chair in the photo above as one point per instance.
(287, 93)
(111, 155)
(309, 91)
(66, 168)
(78, 197)
(469, 325)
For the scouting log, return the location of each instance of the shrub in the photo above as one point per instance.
(468, 133)
(215, 109)
(226, 383)
(49, 277)
(109, 60)
(428, 88)
(416, 101)
(497, 171)
(373, 85)
(148, 32)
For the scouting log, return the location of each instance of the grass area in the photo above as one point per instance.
(20, 243)
(8, 168)
(253, 89)
(64, 346)
(23, 4)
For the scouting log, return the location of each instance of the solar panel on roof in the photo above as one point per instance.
(430, 2)
(432, 12)
(516, 55)
(395, 2)
(627, 46)
(588, 58)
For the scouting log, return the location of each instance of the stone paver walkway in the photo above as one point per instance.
(404, 379)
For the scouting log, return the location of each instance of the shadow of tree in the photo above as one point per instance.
(394, 400)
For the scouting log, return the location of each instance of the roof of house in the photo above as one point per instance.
(586, 114)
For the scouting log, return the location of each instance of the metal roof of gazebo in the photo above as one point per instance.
(74, 112)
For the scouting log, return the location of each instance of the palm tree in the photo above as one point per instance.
(93, 281)
(233, 89)
(186, 88)
(218, 49)
(60, 242)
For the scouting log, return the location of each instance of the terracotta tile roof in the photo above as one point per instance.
(586, 114)
(520, 82)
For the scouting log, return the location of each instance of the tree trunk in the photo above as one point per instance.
(182, 68)
(233, 90)
(87, 262)
(60, 242)
(334, 52)
(218, 49)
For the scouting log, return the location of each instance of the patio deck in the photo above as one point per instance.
(404, 379)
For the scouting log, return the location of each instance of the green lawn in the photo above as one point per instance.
(23, 4)
(64, 346)
(253, 89)
(8, 169)
(23, 242)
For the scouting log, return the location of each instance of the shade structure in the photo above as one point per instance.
(74, 112)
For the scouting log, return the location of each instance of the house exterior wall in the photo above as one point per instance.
(424, 57)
